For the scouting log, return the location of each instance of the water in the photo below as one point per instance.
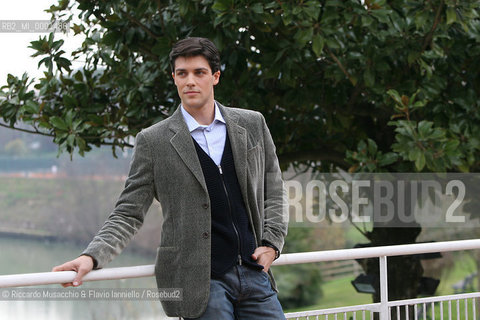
(31, 255)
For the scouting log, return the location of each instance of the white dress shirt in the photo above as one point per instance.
(210, 138)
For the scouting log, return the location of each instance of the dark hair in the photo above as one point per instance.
(195, 46)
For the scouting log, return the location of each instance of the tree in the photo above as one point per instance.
(367, 86)
(298, 285)
(16, 147)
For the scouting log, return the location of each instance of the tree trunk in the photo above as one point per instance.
(404, 272)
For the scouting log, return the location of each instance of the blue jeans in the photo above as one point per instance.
(242, 293)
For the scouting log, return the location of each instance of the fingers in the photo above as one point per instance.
(260, 251)
(68, 266)
(83, 269)
(82, 265)
(264, 256)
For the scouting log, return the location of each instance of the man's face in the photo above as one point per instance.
(195, 81)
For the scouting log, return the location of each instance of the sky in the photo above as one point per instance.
(14, 52)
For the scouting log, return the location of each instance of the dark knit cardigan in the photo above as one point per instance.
(232, 237)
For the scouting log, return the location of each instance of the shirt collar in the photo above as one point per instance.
(192, 124)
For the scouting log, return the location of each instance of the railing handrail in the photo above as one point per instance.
(46, 278)
(375, 252)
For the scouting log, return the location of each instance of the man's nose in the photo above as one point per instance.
(190, 80)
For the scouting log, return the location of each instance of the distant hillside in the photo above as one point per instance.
(24, 152)
(70, 208)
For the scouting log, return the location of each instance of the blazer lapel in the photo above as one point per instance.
(183, 144)
(238, 141)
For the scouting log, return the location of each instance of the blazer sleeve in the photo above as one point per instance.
(275, 197)
(130, 209)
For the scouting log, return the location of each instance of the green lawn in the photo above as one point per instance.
(340, 292)
(464, 266)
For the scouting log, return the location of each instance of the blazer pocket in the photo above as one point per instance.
(166, 266)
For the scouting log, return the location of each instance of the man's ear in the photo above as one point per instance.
(216, 77)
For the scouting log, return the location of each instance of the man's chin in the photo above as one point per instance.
(193, 104)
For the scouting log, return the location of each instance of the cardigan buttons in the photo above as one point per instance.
(205, 206)
(205, 235)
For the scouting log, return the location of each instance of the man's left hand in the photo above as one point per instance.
(264, 256)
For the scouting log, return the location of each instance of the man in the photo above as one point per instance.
(216, 175)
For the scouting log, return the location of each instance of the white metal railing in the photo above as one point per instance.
(383, 308)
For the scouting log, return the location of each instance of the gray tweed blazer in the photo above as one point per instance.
(165, 166)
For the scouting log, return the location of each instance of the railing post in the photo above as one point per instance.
(384, 312)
